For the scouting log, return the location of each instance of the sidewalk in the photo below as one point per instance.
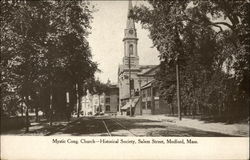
(219, 127)
(39, 129)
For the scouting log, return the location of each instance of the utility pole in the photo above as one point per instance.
(140, 97)
(178, 43)
(129, 67)
(178, 89)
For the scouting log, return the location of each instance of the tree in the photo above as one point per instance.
(24, 58)
(194, 35)
(77, 60)
(44, 47)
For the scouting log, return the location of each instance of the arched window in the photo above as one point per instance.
(131, 49)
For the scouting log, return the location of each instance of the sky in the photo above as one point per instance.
(109, 22)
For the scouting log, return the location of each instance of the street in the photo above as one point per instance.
(125, 126)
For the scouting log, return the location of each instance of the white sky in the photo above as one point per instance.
(106, 39)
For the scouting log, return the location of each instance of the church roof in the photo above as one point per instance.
(123, 68)
(143, 70)
(147, 69)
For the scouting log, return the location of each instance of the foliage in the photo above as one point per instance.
(95, 86)
(43, 46)
(209, 39)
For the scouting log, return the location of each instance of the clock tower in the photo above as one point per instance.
(128, 80)
(130, 42)
(131, 75)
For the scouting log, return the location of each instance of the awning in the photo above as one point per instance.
(126, 106)
(134, 101)
(131, 103)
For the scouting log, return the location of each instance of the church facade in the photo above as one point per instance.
(130, 73)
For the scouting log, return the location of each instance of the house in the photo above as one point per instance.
(96, 103)
(109, 101)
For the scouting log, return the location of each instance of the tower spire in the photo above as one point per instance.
(130, 6)
(130, 41)
(130, 21)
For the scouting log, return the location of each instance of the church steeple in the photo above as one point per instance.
(130, 31)
(130, 41)
(130, 21)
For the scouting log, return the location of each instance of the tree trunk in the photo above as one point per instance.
(37, 116)
(77, 101)
(50, 105)
(172, 109)
(99, 108)
(79, 104)
(22, 109)
(50, 110)
(68, 114)
(27, 120)
(27, 116)
(37, 106)
(194, 110)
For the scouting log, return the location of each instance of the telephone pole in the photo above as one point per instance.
(178, 89)
(178, 43)
(129, 67)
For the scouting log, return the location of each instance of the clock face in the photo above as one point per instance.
(131, 31)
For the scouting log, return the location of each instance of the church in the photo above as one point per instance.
(131, 75)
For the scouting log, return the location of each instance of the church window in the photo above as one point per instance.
(131, 49)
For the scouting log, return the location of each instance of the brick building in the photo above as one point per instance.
(109, 101)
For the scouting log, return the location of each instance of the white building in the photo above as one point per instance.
(87, 107)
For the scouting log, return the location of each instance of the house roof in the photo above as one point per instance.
(149, 84)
